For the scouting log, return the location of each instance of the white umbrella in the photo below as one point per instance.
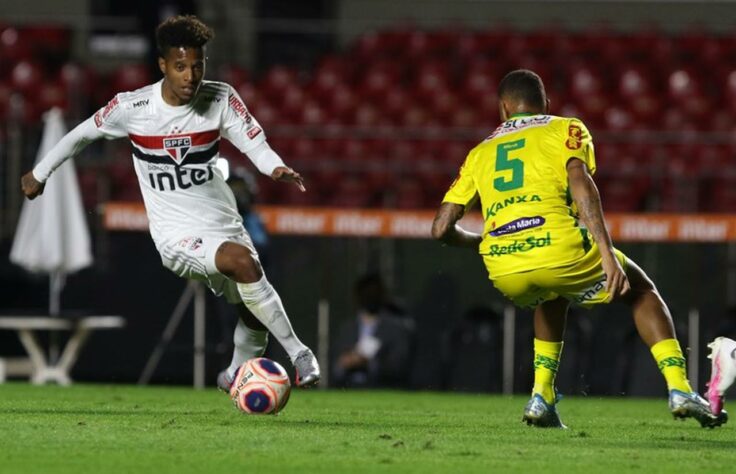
(52, 235)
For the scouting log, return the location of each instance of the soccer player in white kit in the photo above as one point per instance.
(174, 127)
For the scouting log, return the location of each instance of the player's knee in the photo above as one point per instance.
(236, 262)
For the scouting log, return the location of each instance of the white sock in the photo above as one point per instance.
(265, 304)
(249, 343)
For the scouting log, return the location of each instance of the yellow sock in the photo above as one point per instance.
(546, 361)
(671, 363)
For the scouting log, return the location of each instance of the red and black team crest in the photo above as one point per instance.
(177, 147)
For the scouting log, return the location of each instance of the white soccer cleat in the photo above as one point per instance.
(307, 369)
(722, 371)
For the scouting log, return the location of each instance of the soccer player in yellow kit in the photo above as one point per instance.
(545, 243)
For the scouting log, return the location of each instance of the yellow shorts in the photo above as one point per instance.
(582, 282)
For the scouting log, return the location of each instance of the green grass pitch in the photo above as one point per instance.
(107, 429)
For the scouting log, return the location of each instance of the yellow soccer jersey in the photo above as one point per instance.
(520, 175)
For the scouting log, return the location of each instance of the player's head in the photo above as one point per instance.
(181, 43)
(521, 91)
(370, 293)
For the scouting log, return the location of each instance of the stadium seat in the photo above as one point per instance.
(13, 48)
(405, 104)
(232, 74)
(721, 195)
(407, 194)
(351, 191)
(52, 94)
(276, 82)
(27, 77)
(129, 77)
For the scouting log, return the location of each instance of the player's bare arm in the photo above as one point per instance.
(31, 187)
(588, 200)
(446, 230)
(286, 174)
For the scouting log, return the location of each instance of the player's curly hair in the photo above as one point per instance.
(523, 85)
(186, 31)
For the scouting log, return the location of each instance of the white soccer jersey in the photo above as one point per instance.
(174, 153)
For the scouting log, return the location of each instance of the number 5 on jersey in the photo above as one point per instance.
(503, 163)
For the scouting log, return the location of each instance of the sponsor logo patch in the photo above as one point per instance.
(592, 291)
(520, 246)
(510, 201)
(574, 137)
(101, 115)
(253, 132)
(520, 123)
(239, 107)
(518, 225)
(191, 243)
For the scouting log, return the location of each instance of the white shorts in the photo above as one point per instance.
(194, 258)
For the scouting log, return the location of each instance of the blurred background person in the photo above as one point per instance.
(374, 348)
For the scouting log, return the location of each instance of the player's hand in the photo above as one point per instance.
(30, 186)
(617, 283)
(284, 173)
(351, 360)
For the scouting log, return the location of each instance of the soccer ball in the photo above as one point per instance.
(261, 387)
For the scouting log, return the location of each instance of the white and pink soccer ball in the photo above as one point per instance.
(261, 387)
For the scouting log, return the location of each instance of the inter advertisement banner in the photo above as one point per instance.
(128, 216)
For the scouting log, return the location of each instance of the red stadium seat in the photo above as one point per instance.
(351, 191)
(277, 80)
(585, 82)
(312, 114)
(129, 78)
(408, 194)
(378, 81)
(682, 85)
(265, 113)
(633, 82)
(247, 91)
(478, 83)
(395, 104)
(721, 195)
(617, 119)
(679, 194)
(291, 103)
(366, 115)
(341, 103)
(13, 47)
(618, 195)
(232, 74)
(27, 77)
(52, 94)
(646, 110)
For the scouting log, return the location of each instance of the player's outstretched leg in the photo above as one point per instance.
(722, 371)
(549, 328)
(249, 340)
(654, 324)
(236, 262)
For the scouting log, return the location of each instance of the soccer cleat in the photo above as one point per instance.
(722, 371)
(686, 405)
(307, 369)
(225, 382)
(538, 412)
